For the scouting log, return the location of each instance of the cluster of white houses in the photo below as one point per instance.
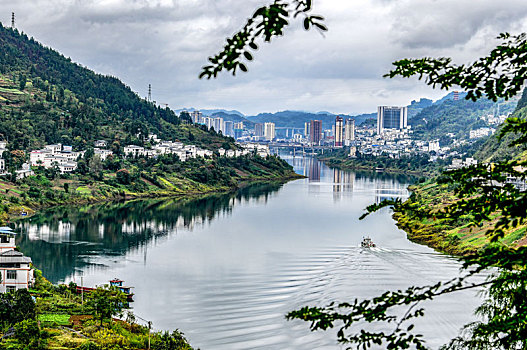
(15, 268)
(65, 158)
(56, 155)
(185, 152)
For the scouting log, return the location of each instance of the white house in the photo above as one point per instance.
(16, 271)
(54, 159)
(133, 150)
(54, 148)
(24, 172)
(67, 167)
(36, 157)
(100, 143)
(15, 268)
(102, 153)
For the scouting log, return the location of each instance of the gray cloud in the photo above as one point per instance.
(165, 42)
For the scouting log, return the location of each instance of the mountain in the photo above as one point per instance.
(448, 116)
(233, 118)
(493, 150)
(45, 98)
(210, 112)
(297, 119)
(417, 106)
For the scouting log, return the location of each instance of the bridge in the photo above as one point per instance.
(297, 147)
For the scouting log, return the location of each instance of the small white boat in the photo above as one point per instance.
(367, 243)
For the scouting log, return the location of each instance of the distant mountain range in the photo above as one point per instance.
(297, 119)
(210, 112)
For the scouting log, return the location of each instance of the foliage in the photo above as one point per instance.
(170, 341)
(28, 333)
(55, 319)
(16, 307)
(105, 302)
(501, 74)
(266, 22)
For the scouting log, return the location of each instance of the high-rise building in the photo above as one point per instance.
(228, 127)
(456, 95)
(307, 128)
(339, 131)
(349, 131)
(218, 125)
(238, 133)
(209, 122)
(315, 131)
(238, 125)
(269, 131)
(259, 129)
(391, 118)
(196, 116)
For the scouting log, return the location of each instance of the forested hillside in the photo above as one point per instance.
(493, 150)
(454, 117)
(46, 98)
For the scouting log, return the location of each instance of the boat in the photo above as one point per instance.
(367, 243)
(114, 283)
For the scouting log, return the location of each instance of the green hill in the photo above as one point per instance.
(46, 98)
(454, 117)
(493, 150)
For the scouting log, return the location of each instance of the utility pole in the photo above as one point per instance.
(149, 328)
(149, 93)
(13, 20)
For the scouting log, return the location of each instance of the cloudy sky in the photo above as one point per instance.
(165, 42)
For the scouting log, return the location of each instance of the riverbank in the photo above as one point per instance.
(56, 317)
(452, 237)
(38, 192)
(388, 166)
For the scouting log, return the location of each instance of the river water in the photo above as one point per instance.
(227, 268)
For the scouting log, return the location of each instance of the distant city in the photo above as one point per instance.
(390, 135)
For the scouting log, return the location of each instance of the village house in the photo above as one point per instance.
(102, 153)
(24, 172)
(100, 143)
(15, 268)
(56, 155)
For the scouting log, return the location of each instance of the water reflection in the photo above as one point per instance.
(226, 269)
(62, 239)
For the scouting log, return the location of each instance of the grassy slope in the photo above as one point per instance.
(459, 238)
(456, 238)
(67, 323)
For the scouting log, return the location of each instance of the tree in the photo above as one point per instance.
(123, 177)
(28, 334)
(483, 192)
(22, 81)
(105, 302)
(95, 164)
(16, 307)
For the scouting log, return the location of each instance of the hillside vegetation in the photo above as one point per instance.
(45, 98)
(458, 236)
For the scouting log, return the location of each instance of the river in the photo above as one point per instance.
(227, 268)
